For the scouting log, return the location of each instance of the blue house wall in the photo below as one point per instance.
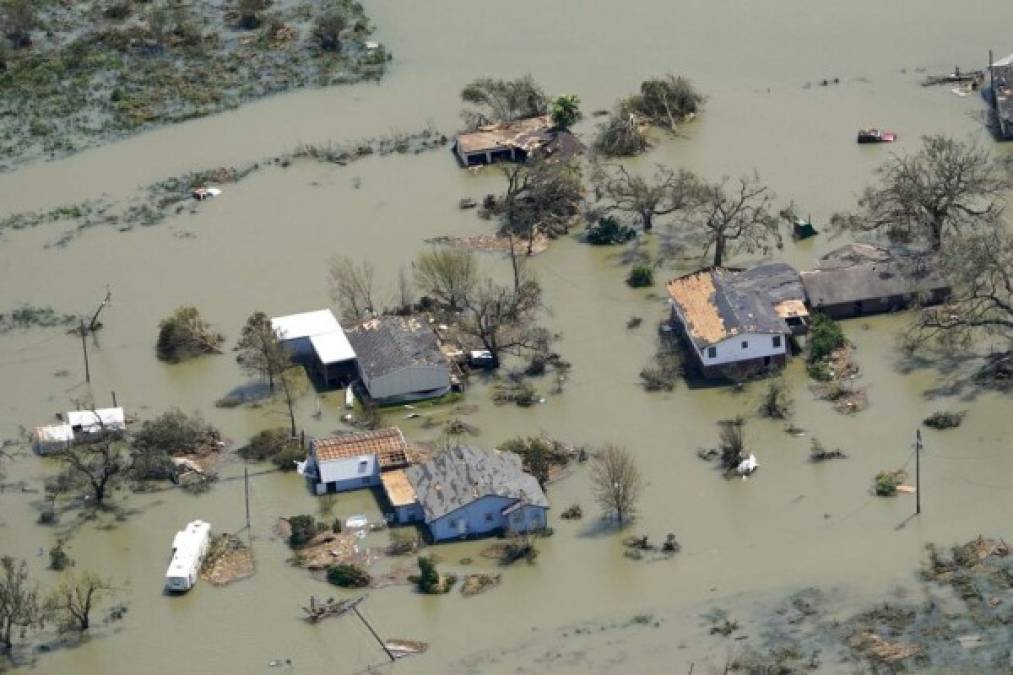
(484, 516)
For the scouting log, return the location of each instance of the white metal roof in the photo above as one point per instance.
(332, 347)
(56, 433)
(187, 548)
(307, 324)
(1003, 62)
(91, 421)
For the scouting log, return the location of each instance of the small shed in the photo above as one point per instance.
(96, 421)
(52, 439)
(318, 341)
(399, 359)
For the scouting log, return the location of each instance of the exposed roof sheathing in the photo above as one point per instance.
(388, 445)
(399, 490)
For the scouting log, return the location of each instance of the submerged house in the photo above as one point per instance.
(399, 359)
(354, 461)
(733, 320)
(466, 492)
(999, 96)
(77, 426)
(862, 279)
(317, 340)
(515, 141)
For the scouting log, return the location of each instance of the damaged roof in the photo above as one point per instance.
(462, 475)
(857, 272)
(532, 134)
(387, 344)
(716, 304)
(388, 445)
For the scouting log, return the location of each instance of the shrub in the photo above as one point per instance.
(521, 393)
(348, 576)
(286, 459)
(608, 231)
(303, 529)
(620, 136)
(403, 542)
(640, 276)
(277, 445)
(58, 558)
(887, 482)
(327, 31)
(665, 374)
(539, 455)
(429, 580)
(731, 442)
(825, 335)
(776, 402)
(186, 334)
(177, 433)
(945, 419)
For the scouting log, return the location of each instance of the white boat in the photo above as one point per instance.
(189, 548)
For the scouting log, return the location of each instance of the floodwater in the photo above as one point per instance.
(264, 246)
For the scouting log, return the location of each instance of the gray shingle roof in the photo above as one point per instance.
(863, 272)
(719, 303)
(462, 475)
(387, 344)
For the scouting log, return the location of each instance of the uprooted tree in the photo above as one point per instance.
(495, 101)
(946, 188)
(727, 218)
(616, 483)
(186, 334)
(644, 198)
(665, 101)
(620, 135)
(447, 274)
(542, 198)
(20, 606)
(260, 351)
(173, 433)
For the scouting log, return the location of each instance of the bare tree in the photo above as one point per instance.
(405, 291)
(448, 274)
(503, 319)
(542, 197)
(74, 598)
(261, 351)
(979, 266)
(616, 482)
(290, 382)
(729, 219)
(666, 192)
(947, 187)
(502, 100)
(20, 608)
(94, 467)
(352, 288)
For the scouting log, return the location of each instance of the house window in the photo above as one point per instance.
(745, 344)
(777, 340)
(488, 517)
(363, 464)
(712, 352)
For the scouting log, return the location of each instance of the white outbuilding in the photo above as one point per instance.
(317, 339)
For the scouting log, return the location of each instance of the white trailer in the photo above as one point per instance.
(189, 547)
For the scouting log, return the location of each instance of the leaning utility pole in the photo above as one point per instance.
(246, 492)
(918, 472)
(383, 644)
(84, 347)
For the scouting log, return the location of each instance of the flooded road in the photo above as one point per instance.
(264, 245)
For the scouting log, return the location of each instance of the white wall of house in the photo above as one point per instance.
(407, 380)
(731, 350)
(349, 473)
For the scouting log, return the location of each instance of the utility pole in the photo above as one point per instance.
(918, 472)
(383, 644)
(84, 348)
(246, 492)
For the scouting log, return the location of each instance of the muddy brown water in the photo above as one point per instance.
(264, 245)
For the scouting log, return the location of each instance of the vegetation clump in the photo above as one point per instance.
(664, 374)
(608, 231)
(185, 334)
(541, 457)
(819, 453)
(348, 575)
(665, 101)
(28, 316)
(518, 392)
(403, 542)
(429, 580)
(640, 276)
(171, 434)
(732, 443)
(275, 445)
(886, 482)
(825, 338)
(302, 529)
(495, 101)
(945, 419)
(776, 402)
(620, 136)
